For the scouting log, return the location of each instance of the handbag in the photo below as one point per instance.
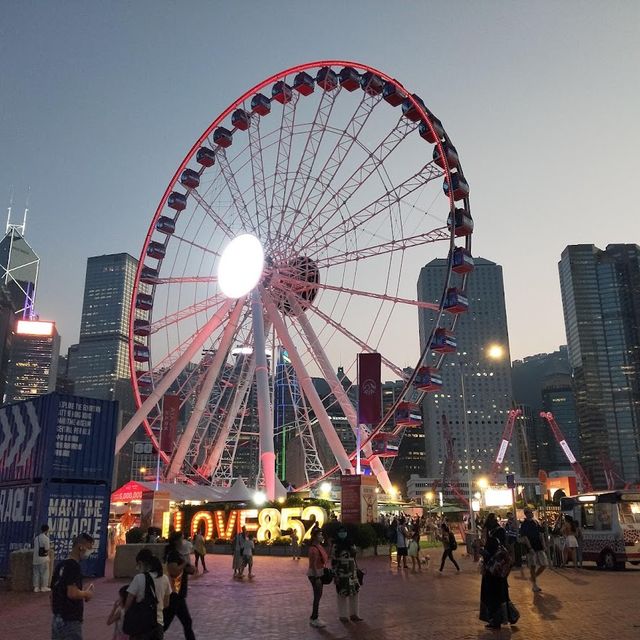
(142, 617)
(327, 576)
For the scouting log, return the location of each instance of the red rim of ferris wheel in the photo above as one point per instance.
(425, 117)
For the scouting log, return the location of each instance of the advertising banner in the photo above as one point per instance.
(368, 499)
(350, 499)
(369, 388)
(170, 418)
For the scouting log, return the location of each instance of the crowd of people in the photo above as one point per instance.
(158, 592)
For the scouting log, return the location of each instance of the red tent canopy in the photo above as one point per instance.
(128, 492)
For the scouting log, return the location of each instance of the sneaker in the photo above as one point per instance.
(317, 623)
(36, 590)
(356, 619)
(45, 589)
(536, 588)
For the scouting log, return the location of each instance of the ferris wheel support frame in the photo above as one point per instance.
(335, 444)
(338, 391)
(203, 395)
(170, 376)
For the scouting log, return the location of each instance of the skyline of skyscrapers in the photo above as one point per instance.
(601, 303)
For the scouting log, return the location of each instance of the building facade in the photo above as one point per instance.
(486, 382)
(33, 364)
(601, 303)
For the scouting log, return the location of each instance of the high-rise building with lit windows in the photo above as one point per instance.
(102, 359)
(487, 381)
(33, 363)
(601, 302)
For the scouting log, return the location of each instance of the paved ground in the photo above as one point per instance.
(587, 604)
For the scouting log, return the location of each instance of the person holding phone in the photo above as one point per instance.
(67, 593)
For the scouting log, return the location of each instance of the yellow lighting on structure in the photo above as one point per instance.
(280, 500)
(495, 351)
(207, 518)
(429, 496)
(325, 488)
(483, 483)
(143, 470)
(34, 328)
(393, 491)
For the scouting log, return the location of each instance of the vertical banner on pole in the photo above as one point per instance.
(369, 388)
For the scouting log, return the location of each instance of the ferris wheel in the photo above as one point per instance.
(328, 186)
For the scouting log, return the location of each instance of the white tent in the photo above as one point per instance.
(239, 492)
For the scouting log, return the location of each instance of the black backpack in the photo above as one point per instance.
(142, 617)
(453, 545)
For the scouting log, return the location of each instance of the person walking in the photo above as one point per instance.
(496, 608)
(318, 559)
(343, 562)
(148, 582)
(67, 593)
(247, 554)
(402, 542)
(237, 553)
(511, 536)
(295, 545)
(200, 551)
(449, 545)
(569, 530)
(41, 546)
(178, 578)
(531, 535)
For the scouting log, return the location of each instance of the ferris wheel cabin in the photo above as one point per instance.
(165, 225)
(327, 79)
(349, 79)
(428, 380)
(222, 137)
(393, 95)
(141, 327)
(281, 92)
(462, 261)
(240, 119)
(141, 353)
(444, 341)
(206, 157)
(149, 275)
(260, 104)
(450, 153)
(408, 415)
(371, 83)
(190, 179)
(463, 223)
(156, 250)
(303, 83)
(144, 301)
(409, 111)
(456, 301)
(425, 131)
(459, 186)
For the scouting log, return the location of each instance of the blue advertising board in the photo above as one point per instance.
(57, 437)
(68, 508)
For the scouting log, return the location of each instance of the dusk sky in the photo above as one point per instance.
(101, 101)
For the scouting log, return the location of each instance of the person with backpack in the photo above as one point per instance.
(449, 545)
(67, 592)
(147, 596)
(496, 608)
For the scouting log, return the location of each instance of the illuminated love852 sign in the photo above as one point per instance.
(267, 523)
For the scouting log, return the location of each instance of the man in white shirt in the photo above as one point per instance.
(148, 563)
(41, 545)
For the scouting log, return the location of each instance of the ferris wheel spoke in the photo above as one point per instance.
(365, 170)
(188, 312)
(195, 245)
(211, 213)
(361, 343)
(234, 190)
(307, 160)
(442, 234)
(305, 382)
(378, 207)
(301, 286)
(283, 158)
(185, 280)
(242, 390)
(347, 139)
(257, 172)
(176, 369)
(204, 394)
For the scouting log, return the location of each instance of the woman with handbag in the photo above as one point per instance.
(147, 595)
(318, 559)
(496, 608)
(343, 561)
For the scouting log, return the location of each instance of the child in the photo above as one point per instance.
(414, 552)
(247, 554)
(116, 617)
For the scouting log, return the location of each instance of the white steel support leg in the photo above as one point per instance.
(339, 393)
(213, 458)
(168, 379)
(205, 393)
(265, 414)
(307, 385)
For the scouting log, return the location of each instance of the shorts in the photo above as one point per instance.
(571, 542)
(65, 629)
(537, 558)
(402, 551)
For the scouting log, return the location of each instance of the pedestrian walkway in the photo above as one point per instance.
(588, 604)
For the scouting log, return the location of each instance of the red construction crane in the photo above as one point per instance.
(512, 416)
(583, 480)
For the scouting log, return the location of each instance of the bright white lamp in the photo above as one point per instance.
(259, 498)
(240, 266)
